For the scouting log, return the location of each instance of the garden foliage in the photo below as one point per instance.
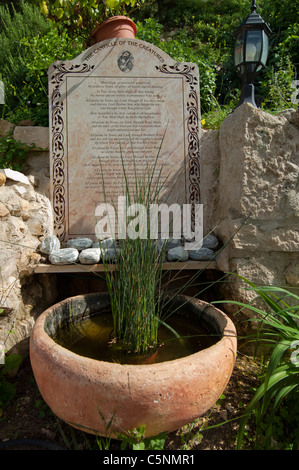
(274, 409)
(28, 45)
(35, 33)
(7, 389)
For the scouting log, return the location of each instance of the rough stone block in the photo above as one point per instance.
(32, 135)
(5, 127)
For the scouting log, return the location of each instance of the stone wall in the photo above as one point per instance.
(250, 192)
(25, 218)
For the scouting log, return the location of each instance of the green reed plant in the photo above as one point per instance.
(134, 285)
(136, 440)
(279, 329)
(140, 292)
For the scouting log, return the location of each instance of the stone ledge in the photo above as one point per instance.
(171, 266)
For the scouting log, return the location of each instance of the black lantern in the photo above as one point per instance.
(251, 52)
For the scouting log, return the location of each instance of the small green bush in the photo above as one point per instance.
(199, 31)
(276, 87)
(52, 46)
(13, 153)
(7, 389)
(30, 51)
(180, 48)
(213, 119)
(14, 26)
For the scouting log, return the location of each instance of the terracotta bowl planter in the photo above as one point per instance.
(162, 396)
(114, 27)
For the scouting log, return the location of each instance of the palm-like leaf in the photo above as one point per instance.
(281, 330)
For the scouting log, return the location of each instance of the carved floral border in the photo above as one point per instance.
(57, 144)
(187, 70)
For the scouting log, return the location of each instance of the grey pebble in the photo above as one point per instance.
(177, 254)
(49, 244)
(202, 254)
(79, 243)
(90, 256)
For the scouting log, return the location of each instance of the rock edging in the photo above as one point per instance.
(85, 251)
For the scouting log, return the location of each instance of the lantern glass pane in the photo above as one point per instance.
(265, 48)
(253, 46)
(239, 47)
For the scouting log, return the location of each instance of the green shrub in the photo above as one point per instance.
(180, 48)
(7, 389)
(28, 45)
(13, 153)
(14, 26)
(79, 17)
(276, 87)
(136, 440)
(209, 27)
(213, 119)
(52, 46)
(199, 31)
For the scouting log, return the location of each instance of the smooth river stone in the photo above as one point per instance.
(177, 254)
(161, 244)
(79, 243)
(202, 254)
(49, 244)
(210, 242)
(110, 254)
(64, 256)
(90, 256)
(104, 244)
(173, 243)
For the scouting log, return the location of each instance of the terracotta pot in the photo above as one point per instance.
(114, 27)
(162, 396)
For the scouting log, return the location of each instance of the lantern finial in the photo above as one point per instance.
(253, 6)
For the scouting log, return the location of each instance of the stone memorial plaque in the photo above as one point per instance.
(121, 100)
